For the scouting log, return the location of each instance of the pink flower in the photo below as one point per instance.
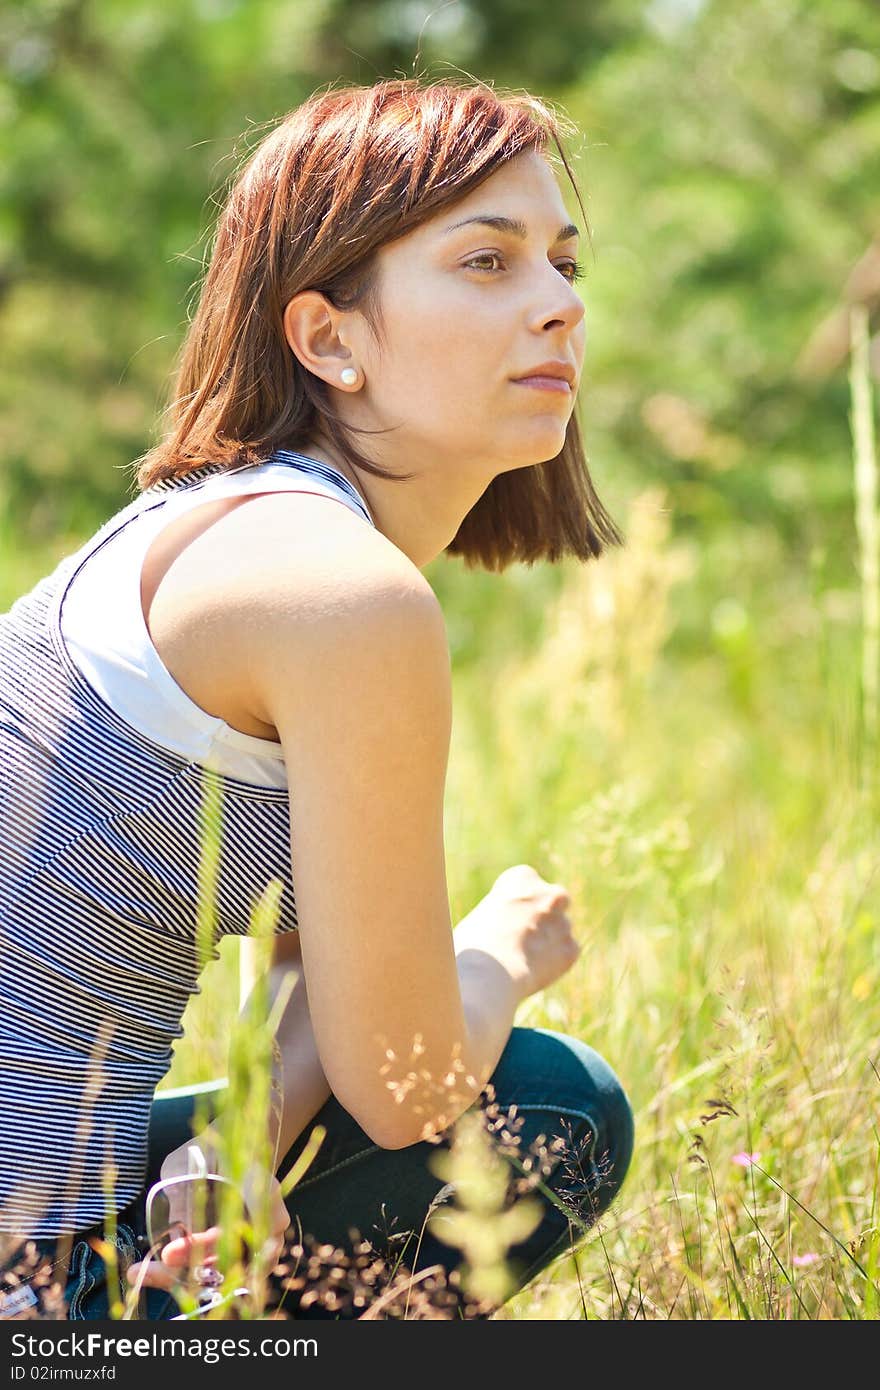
(744, 1160)
(808, 1258)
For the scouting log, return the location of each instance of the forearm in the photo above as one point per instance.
(432, 1090)
(489, 1002)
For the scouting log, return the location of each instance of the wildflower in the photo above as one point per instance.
(744, 1160)
(809, 1257)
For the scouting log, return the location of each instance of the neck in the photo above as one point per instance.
(422, 515)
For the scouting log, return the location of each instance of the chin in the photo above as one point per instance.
(528, 447)
(541, 448)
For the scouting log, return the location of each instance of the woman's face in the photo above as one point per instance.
(465, 310)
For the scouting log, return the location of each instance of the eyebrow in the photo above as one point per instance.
(513, 225)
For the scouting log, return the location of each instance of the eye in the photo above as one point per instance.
(486, 256)
(572, 270)
(576, 268)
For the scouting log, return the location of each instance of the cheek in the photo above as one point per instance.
(442, 330)
(435, 367)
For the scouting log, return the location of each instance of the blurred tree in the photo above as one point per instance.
(514, 42)
(119, 123)
(735, 166)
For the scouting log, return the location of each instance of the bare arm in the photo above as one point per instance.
(347, 658)
(403, 1047)
(297, 1068)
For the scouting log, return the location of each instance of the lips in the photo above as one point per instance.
(546, 383)
(558, 371)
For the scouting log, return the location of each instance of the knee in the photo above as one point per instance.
(589, 1095)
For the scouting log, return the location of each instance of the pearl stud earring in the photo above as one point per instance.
(349, 375)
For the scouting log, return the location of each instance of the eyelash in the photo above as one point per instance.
(576, 267)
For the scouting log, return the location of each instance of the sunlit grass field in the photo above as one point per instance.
(676, 733)
(699, 796)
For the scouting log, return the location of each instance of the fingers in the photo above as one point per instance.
(155, 1275)
(193, 1249)
(177, 1257)
(180, 1255)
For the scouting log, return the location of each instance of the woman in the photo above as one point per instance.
(388, 322)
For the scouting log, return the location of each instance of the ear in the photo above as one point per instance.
(315, 332)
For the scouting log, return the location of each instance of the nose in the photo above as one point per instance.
(559, 306)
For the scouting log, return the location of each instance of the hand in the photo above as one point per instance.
(523, 923)
(200, 1247)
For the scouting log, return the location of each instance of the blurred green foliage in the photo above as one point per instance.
(729, 153)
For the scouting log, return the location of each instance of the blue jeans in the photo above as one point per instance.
(355, 1191)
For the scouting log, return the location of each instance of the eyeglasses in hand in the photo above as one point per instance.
(200, 1193)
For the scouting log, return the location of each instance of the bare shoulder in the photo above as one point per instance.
(292, 545)
(308, 584)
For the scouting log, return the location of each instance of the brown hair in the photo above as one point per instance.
(339, 177)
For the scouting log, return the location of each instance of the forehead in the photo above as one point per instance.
(527, 178)
(525, 187)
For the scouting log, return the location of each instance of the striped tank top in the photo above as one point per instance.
(105, 766)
